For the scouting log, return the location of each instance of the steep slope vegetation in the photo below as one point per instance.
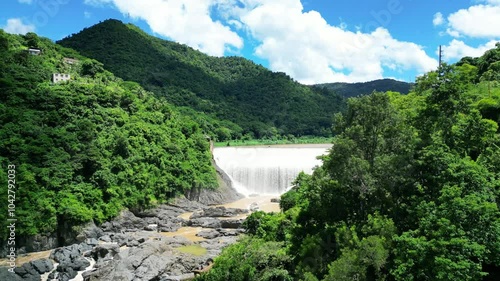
(247, 98)
(349, 90)
(86, 148)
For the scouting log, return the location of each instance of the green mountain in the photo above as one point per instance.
(86, 148)
(236, 96)
(348, 90)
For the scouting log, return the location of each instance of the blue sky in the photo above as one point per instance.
(314, 41)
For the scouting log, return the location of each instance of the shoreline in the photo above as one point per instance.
(291, 145)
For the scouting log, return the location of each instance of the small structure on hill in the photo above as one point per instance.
(60, 77)
(70, 61)
(34, 51)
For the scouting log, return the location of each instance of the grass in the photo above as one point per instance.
(195, 250)
(303, 140)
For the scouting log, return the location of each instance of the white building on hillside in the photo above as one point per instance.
(60, 77)
(70, 61)
(34, 52)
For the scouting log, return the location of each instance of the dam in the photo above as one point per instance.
(267, 170)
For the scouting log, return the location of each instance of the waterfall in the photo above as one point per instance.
(267, 170)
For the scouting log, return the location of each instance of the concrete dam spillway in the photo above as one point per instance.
(267, 169)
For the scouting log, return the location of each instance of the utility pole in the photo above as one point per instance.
(440, 55)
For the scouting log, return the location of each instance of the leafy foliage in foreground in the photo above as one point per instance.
(409, 191)
(247, 99)
(87, 148)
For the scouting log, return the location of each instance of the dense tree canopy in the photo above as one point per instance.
(87, 148)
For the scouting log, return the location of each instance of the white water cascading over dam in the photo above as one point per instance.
(267, 169)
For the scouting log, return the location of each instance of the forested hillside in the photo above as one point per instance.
(349, 90)
(409, 191)
(86, 148)
(237, 96)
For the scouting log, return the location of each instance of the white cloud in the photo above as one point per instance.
(25, 1)
(438, 19)
(186, 21)
(306, 47)
(457, 49)
(16, 26)
(87, 14)
(480, 21)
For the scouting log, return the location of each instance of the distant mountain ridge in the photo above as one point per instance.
(236, 96)
(348, 90)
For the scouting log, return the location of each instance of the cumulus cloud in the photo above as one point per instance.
(16, 26)
(457, 49)
(480, 21)
(305, 46)
(300, 43)
(186, 21)
(438, 19)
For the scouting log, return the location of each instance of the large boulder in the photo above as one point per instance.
(231, 223)
(224, 193)
(5, 274)
(42, 266)
(220, 211)
(88, 231)
(71, 260)
(205, 222)
(208, 234)
(126, 221)
(27, 272)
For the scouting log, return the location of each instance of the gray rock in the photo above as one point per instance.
(6, 275)
(91, 241)
(80, 263)
(275, 200)
(220, 211)
(105, 238)
(254, 207)
(187, 205)
(205, 222)
(37, 243)
(63, 274)
(224, 193)
(231, 223)
(231, 232)
(27, 272)
(133, 243)
(208, 234)
(42, 265)
(88, 231)
(105, 251)
(161, 211)
(126, 221)
(120, 238)
(183, 277)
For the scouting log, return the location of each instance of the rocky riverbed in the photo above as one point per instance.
(165, 243)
